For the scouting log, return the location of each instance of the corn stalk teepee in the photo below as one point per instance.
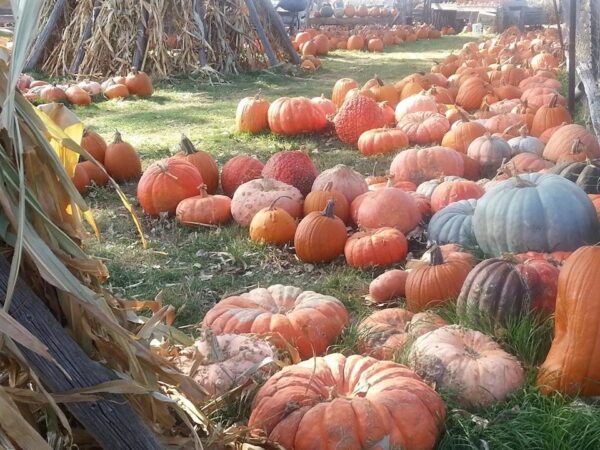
(76, 365)
(97, 38)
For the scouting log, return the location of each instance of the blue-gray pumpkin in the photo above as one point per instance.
(454, 224)
(534, 212)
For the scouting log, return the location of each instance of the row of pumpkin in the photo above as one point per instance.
(136, 83)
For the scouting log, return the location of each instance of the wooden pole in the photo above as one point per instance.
(279, 31)
(87, 33)
(559, 25)
(572, 55)
(42, 41)
(112, 422)
(273, 61)
(141, 40)
(200, 12)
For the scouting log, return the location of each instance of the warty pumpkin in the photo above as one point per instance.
(357, 115)
(387, 333)
(382, 247)
(273, 225)
(239, 170)
(434, 284)
(252, 114)
(307, 320)
(204, 209)
(254, 195)
(320, 236)
(337, 410)
(204, 162)
(122, 161)
(573, 363)
(167, 182)
(467, 364)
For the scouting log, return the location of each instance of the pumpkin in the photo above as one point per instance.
(460, 137)
(498, 291)
(453, 191)
(52, 94)
(387, 333)
(357, 115)
(343, 179)
(78, 96)
(355, 42)
(433, 284)
(254, 195)
(505, 91)
(317, 201)
(490, 151)
(320, 236)
(81, 179)
(204, 162)
(534, 212)
(204, 209)
(586, 174)
(91, 87)
(294, 168)
(454, 224)
(273, 226)
(539, 81)
(419, 165)
(96, 173)
(339, 411)
(525, 163)
(468, 364)
(526, 144)
(297, 115)
(252, 114)
(239, 170)
(573, 363)
(116, 90)
(221, 363)
(544, 61)
(415, 103)
(505, 123)
(440, 95)
(569, 137)
(349, 11)
(308, 321)
(94, 144)
(385, 92)
(537, 97)
(372, 210)
(326, 105)
(322, 43)
(471, 92)
(122, 161)
(382, 140)
(549, 116)
(382, 247)
(595, 198)
(375, 45)
(410, 89)
(424, 128)
(139, 83)
(167, 182)
(388, 286)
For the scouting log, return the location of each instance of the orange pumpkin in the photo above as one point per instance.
(388, 286)
(340, 89)
(204, 209)
(453, 191)
(81, 179)
(317, 200)
(273, 225)
(122, 161)
(96, 174)
(382, 247)
(204, 162)
(382, 140)
(372, 210)
(94, 144)
(251, 115)
(78, 96)
(460, 136)
(139, 83)
(549, 116)
(290, 116)
(424, 128)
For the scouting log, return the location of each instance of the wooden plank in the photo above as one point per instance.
(141, 40)
(278, 29)
(87, 33)
(41, 43)
(260, 30)
(592, 94)
(349, 21)
(572, 56)
(200, 12)
(112, 422)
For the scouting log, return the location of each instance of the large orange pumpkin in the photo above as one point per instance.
(424, 128)
(382, 140)
(340, 89)
(348, 403)
(165, 183)
(297, 115)
(460, 136)
(572, 143)
(122, 161)
(204, 209)
(549, 116)
(573, 363)
(204, 162)
(252, 114)
(372, 210)
(306, 320)
(424, 164)
(357, 115)
(381, 247)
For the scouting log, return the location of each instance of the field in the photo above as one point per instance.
(192, 269)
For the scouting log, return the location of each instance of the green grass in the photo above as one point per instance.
(194, 268)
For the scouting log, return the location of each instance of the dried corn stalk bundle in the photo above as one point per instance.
(177, 40)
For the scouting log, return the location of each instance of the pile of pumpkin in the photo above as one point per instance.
(312, 42)
(351, 11)
(136, 83)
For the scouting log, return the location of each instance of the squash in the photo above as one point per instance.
(382, 247)
(388, 286)
(454, 224)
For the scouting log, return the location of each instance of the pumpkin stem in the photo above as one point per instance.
(272, 206)
(553, 101)
(577, 147)
(203, 188)
(436, 256)
(165, 169)
(117, 139)
(328, 186)
(521, 183)
(258, 95)
(524, 131)
(215, 353)
(329, 209)
(186, 146)
(134, 71)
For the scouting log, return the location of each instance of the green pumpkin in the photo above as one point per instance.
(585, 174)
